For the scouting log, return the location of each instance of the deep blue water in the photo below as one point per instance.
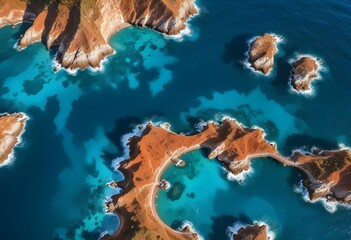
(56, 186)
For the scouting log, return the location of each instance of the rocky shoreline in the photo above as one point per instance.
(229, 142)
(261, 53)
(303, 73)
(252, 232)
(81, 29)
(12, 126)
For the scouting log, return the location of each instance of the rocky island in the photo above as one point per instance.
(156, 149)
(252, 232)
(261, 53)
(81, 29)
(303, 72)
(327, 173)
(11, 128)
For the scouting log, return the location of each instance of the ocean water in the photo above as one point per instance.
(55, 188)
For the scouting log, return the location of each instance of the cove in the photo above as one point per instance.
(212, 203)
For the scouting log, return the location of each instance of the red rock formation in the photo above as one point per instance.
(328, 174)
(304, 71)
(81, 29)
(11, 127)
(254, 232)
(151, 153)
(261, 53)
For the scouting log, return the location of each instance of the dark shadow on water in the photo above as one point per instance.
(32, 178)
(221, 223)
(192, 121)
(122, 126)
(296, 141)
(235, 50)
(295, 177)
(22, 29)
(283, 69)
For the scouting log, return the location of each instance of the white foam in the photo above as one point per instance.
(136, 132)
(270, 232)
(328, 205)
(241, 177)
(57, 66)
(321, 68)
(343, 146)
(279, 39)
(232, 230)
(106, 232)
(187, 32)
(192, 228)
(11, 157)
(303, 150)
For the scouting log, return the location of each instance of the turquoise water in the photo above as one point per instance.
(58, 177)
(266, 195)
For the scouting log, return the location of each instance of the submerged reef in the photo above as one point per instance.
(12, 127)
(81, 29)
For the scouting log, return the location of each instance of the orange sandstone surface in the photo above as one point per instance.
(11, 128)
(327, 173)
(304, 71)
(156, 149)
(261, 53)
(81, 29)
(254, 232)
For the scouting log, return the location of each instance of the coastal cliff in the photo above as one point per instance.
(81, 29)
(151, 152)
(157, 148)
(303, 72)
(251, 232)
(261, 53)
(11, 128)
(328, 174)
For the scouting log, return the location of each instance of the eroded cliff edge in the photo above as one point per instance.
(326, 172)
(157, 148)
(12, 127)
(81, 29)
(303, 73)
(252, 232)
(261, 53)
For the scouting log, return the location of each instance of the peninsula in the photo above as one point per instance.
(81, 29)
(234, 146)
(11, 128)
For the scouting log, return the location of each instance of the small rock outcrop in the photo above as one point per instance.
(252, 232)
(11, 128)
(261, 53)
(303, 72)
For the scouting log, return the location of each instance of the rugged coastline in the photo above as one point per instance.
(303, 73)
(330, 171)
(12, 126)
(229, 142)
(81, 29)
(251, 232)
(261, 53)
